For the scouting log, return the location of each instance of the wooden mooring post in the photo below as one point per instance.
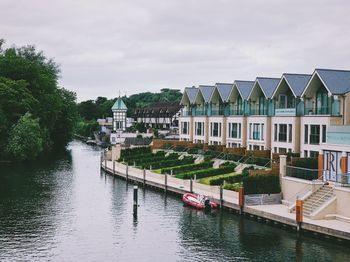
(221, 195)
(191, 185)
(113, 168)
(105, 160)
(299, 213)
(127, 172)
(135, 201)
(241, 200)
(144, 176)
(165, 182)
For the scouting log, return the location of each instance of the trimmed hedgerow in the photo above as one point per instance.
(187, 168)
(143, 156)
(231, 178)
(154, 158)
(261, 184)
(167, 163)
(311, 163)
(206, 172)
(233, 187)
(135, 151)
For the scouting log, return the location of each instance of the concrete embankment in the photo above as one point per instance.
(276, 214)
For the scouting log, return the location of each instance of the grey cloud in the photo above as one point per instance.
(133, 46)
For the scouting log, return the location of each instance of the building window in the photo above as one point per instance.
(199, 126)
(275, 132)
(233, 130)
(282, 136)
(256, 132)
(290, 133)
(282, 150)
(324, 133)
(314, 134)
(305, 153)
(313, 153)
(306, 134)
(239, 130)
(215, 129)
(185, 128)
(275, 149)
(262, 132)
(250, 131)
(255, 147)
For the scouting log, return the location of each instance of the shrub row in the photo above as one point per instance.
(233, 187)
(168, 163)
(233, 178)
(187, 168)
(311, 163)
(135, 151)
(261, 184)
(304, 174)
(206, 172)
(154, 158)
(144, 155)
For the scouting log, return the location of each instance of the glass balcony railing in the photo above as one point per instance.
(285, 111)
(216, 112)
(199, 112)
(258, 111)
(236, 112)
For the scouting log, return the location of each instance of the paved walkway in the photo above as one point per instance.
(278, 212)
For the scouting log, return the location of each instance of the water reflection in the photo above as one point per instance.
(68, 210)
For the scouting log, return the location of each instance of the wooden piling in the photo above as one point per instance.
(144, 177)
(191, 185)
(135, 201)
(221, 196)
(165, 182)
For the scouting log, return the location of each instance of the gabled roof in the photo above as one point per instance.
(268, 85)
(296, 83)
(206, 92)
(224, 90)
(244, 87)
(336, 81)
(191, 93)
(119, 105)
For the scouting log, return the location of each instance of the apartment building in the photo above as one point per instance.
(326, 103)
(288, 109)
(293, 113)
(236, 123)
(260, 110)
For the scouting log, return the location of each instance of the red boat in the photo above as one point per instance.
(197, 201)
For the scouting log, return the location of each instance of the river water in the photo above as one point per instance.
(68, 210)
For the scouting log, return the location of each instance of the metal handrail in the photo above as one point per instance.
(298, 195)
(321, 198)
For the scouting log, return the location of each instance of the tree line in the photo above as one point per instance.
(36, 115)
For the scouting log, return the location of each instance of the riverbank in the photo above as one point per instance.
(268, 213)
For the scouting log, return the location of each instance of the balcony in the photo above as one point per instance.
(186, 113)
(199, 112)
(323, 110)
(285, 112)
(258, 111)
(236, 112)
(217, 112)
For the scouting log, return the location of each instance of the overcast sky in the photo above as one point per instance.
(104, 46)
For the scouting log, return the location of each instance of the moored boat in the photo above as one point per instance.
(198, 201)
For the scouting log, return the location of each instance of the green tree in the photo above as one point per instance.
(25, 141)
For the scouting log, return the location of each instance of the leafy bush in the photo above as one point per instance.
(168, 163)
(233, 187)
(206, 172)
(230, 178)
(302, 173)
(152, 158)
(261, 184)
(228, 164)
(167, 146)
(233, 157)
(245, 171)
(193, 151)
(187, 168)
(311, 163)
(179, 148)
(135, 151)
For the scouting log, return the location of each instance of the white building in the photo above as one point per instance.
(119, 110)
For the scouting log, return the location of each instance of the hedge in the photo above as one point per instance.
(136, 150)
(311, 163)
(206, 172)
(168, 163)
(187, 168)
(261, 184)
(154, 158)
(179, 148)
(233, 187)
(232, 178)
(303, 174)
(143, 156)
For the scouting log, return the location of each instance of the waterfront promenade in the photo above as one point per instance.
(268, 213)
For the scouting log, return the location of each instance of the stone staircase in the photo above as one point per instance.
(317, 199)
